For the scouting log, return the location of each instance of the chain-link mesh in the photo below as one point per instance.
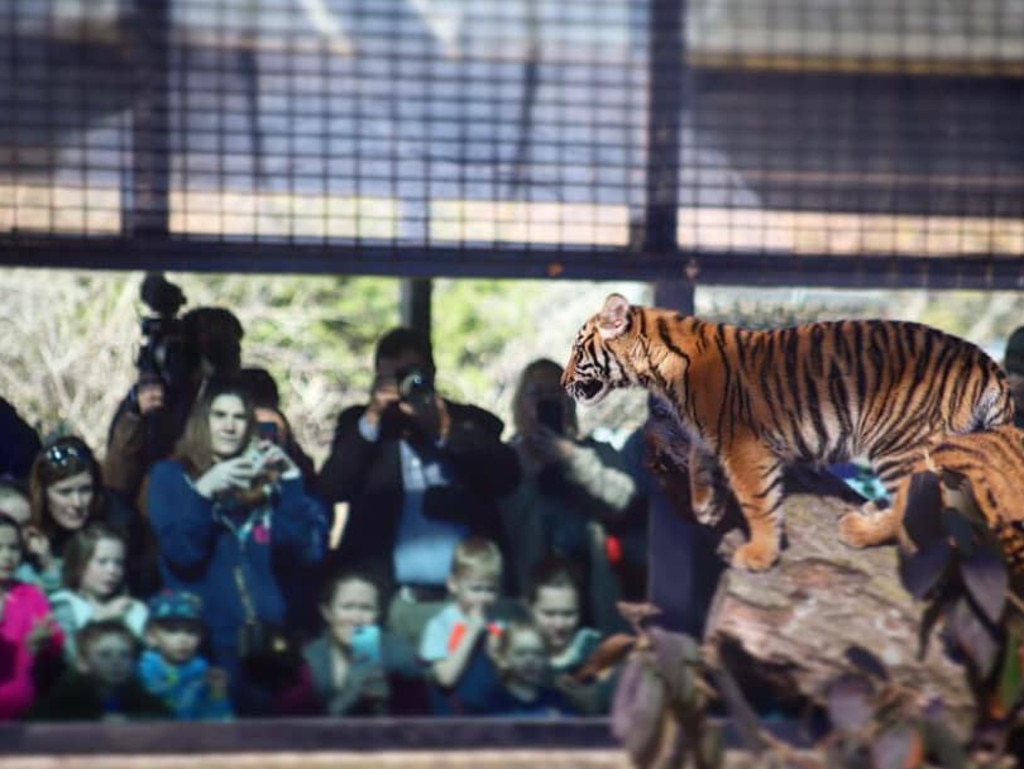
(510, 136)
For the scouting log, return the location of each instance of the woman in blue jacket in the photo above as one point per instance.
(230, 514)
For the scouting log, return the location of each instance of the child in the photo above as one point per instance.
(522, 658)
(93, 580)
(456, 640)
(103, 684)
(554, 601)
(29, 639)
(14, 502)
(354, 668)
(171, 668)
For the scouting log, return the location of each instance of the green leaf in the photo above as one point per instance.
(1010, 683)
(922, 519)
(638, 708)
(973, 637)
(984, 574)
(712, 745)
(676, 655)
(894, 748)
(959, 529)
(941, 742)
(743, 716)
(922, 572)
(849, 702)
(867, 662)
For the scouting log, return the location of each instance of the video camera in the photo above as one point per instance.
(162, 353)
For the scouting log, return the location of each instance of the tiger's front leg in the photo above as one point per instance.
(708, 497)
(756, 478)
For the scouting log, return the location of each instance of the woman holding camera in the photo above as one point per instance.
(570, 488)
(229, 512)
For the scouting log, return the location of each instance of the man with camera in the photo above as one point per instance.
(418, 473)
(178, 355)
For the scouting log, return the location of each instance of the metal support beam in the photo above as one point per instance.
(665, 103)
(415, 303)
(146, 202)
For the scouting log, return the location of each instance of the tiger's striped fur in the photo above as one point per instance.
(753, 401)
(992, 462)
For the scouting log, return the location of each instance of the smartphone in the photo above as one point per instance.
(366, 645)
(550, 414)
(267, 431)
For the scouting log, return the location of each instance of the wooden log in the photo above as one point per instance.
(784, 632)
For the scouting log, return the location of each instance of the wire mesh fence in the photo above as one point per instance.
(498, 137)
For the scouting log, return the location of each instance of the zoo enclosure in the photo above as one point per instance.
(759, 142)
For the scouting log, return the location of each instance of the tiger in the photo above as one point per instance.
(753, 402)
(992, 463)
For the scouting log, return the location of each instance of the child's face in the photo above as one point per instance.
(354, 604)
(557, 614)
(17, 507)
(475, 590)
(177, 641)
(110, 659)
(526, 659)
(103, 574)
(10, 552)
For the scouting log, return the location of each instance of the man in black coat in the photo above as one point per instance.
(418, 473)
(19, 443)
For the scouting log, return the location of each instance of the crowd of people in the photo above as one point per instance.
(206, 569)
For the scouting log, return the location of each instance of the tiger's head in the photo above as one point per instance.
(598, 363)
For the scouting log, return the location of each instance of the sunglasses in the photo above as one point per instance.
(63, 454)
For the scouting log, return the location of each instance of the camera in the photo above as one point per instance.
(415, 385)
(162, 352)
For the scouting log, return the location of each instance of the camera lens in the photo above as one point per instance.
(415, 384)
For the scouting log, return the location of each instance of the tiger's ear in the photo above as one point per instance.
(611, 322)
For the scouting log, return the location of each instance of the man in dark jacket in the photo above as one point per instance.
(19, 443)
(417, 473)
(150, 419)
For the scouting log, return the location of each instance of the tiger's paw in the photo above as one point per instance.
(859, 530)
(755, 557)
(709, 513)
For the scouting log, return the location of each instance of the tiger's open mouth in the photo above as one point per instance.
(588, 391)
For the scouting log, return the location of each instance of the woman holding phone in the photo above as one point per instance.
(571, 486)
(230, 516)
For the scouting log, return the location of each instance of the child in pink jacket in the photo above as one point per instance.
(28, 635)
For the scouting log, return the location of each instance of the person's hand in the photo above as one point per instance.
(429, 415)
(547, 446)
(273, 457)
(43, 629)
(383, 395)
(217, 683)
(149, 397)
(235, 473)
(477, 618)
(38, 545)
(114, 609)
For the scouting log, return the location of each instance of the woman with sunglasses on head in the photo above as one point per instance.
(66, 493)
(231, 515)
